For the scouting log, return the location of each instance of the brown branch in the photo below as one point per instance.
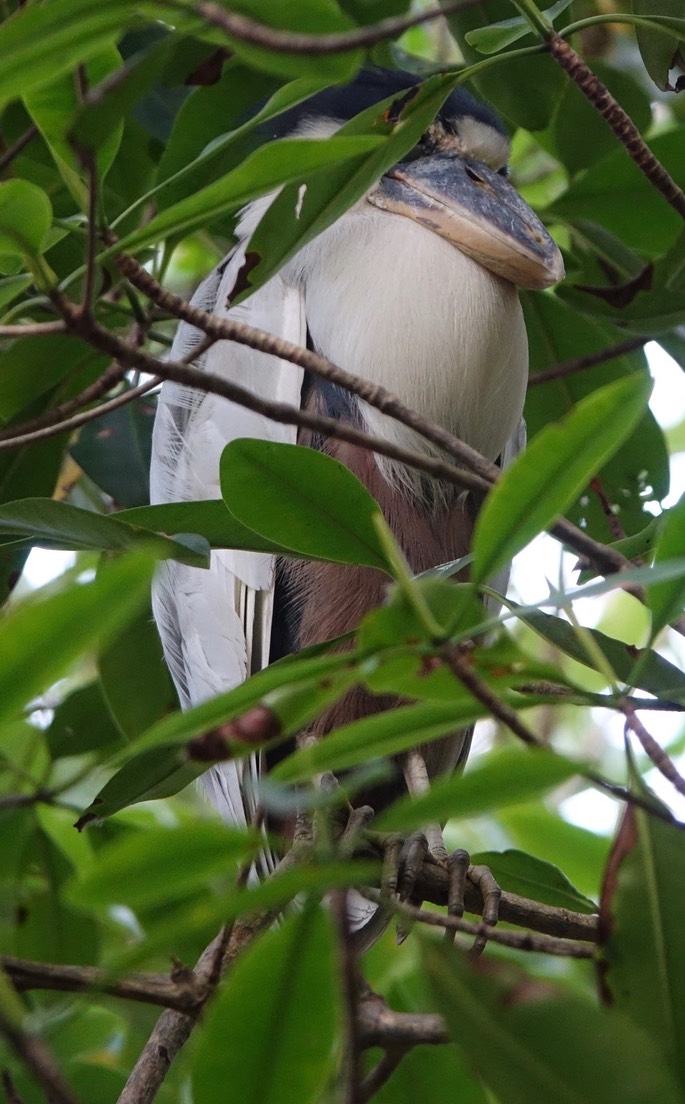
(183, 993)
(458, 662)
(291, 42)
(654, 751)
(621, 123)
(382, 1072)
(80, 419)
(7, 157)
(33, 329)
(580, 364)
(39, 1061)
(55, 417)
(380, 1026)
(350, 989)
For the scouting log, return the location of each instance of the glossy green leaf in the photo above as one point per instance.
(643, 953)
(381, 734)
(82, 723)
(658, 49)
(516, 1031)
(158, 772)
(666, 599)
(266, 169)
(27, 373)
(507, 777)
(579, 852)
(281, 1001)
(162, 864)
(70, 623)
(611, 191)
(209, 518)
(656, 674)
(42, 42)
(135, 680)
(496, 36)
(525, 90)
(548, 477)
(305, 500)
(115, 452)
(52, 524)
(52, 108)
(25, 218)
(519, 872)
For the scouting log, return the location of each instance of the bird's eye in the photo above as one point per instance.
(504, 171)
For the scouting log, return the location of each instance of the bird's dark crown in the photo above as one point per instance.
(343, 101)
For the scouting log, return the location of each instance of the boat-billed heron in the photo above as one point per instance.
(414, 288)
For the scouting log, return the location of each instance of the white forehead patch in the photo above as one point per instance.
(482, 142)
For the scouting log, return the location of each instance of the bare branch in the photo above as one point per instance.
(580, 364)
(7, 157)
(660, 758)
(290, 42)
(33, 329)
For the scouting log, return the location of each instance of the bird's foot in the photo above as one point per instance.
(402, 862)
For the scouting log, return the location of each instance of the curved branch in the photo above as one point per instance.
(291, 42)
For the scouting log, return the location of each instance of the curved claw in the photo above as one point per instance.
(484, 880)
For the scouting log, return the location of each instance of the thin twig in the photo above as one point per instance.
(458, 662)
(351, 993)
(183, 994)
(39, 1061)
(290, 42)
(621, 123)
(77, 420)
(17, 146)
(381, 1072)
(580, 364)
(18, 435)
(34, 329)
(656, 754)
(380, 1026)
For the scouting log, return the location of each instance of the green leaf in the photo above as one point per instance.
(115, 450)
(157, 772)
(161, 864)
(526, 90)
(82, 723)
(496, 36)
(52, 108)
(666, 599)
(516, 1028)
(581, 854)
(643, 954)
(632, 478)
(53, 524)
(381, 734)
(69, 624)
(612, 190)
(658, 48)
(27, 374)
(134, 677)
(267, 168)
(655, 674)
(548, 477)
(208, 517)
(507, 777)
(305, 500)
(25, 219)
(281, 1001)
(519, 872)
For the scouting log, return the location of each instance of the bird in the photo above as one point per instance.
(413, 288)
